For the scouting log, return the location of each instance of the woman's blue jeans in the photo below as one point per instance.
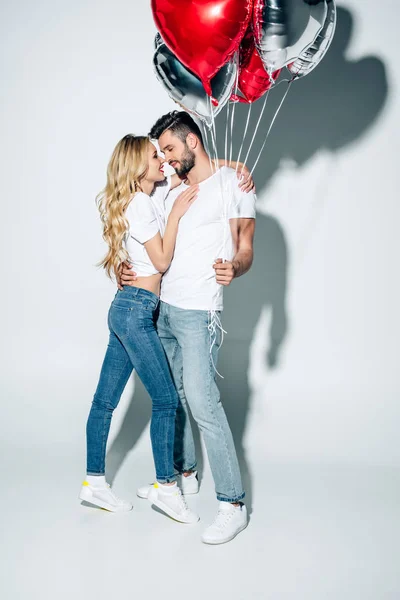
(134, 344)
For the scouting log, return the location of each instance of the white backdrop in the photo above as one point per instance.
(76, 77)
(310, 360)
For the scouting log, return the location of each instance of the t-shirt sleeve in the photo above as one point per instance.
(162, 189)
(242, 204)
(143, 225)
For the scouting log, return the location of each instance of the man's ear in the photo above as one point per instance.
(192, 141)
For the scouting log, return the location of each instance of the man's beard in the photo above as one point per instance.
(186, 163)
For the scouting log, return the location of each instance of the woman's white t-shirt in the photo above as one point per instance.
(146, 217)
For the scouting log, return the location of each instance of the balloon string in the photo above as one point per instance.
(213, 137)
(213, 134)
(206, 144)
(233, 108)
(244, 136)
(222, 189)
(226, 133)
(255, 131)
(215, 322)
(270, 127)
(231, 140)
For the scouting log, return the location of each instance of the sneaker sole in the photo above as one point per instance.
(143, 496)
(100, 504)
(168, 511)
(229, 539)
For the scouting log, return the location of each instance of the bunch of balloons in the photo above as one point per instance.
(211, 51)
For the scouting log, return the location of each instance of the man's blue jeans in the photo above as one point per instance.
(134, 343)
(186, 340)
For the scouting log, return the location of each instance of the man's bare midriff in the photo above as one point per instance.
(150, 283)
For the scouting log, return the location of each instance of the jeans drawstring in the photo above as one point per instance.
(213, 326)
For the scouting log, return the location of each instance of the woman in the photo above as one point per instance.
(131, 209)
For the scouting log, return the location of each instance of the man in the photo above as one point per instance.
(220, 225)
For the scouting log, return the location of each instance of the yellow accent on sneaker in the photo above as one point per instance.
(156, 485)
(85, 483)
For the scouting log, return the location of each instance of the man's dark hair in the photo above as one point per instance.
(179, 123)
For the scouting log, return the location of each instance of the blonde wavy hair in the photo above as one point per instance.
(127, 168)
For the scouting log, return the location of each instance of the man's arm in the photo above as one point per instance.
(243, 235)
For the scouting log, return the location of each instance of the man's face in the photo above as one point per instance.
(177, 153)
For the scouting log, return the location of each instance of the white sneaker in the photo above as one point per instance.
(230, 521)
(173, 503)
(189, 485)
(103, 497)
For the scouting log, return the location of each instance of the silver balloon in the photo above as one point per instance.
(187, 90)
(312, 56)
(271, 31)
(158, 41)
(300, 22)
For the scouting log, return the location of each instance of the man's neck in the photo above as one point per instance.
(202, 169)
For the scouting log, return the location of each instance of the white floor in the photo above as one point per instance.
(316, 532)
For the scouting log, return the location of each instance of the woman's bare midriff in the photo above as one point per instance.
(150, 283)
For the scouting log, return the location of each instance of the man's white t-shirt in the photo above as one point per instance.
(146, 217)
(204, 235)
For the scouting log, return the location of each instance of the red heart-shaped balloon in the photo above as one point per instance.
(254, 81)
(203, 34)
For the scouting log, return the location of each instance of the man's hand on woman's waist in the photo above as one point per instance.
(126, 276)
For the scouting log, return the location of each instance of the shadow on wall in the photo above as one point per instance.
(330, 108)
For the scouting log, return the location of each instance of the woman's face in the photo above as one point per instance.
(155, 171)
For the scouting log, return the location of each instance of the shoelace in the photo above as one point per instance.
(114, 495)
(222, 519)
(182, 501)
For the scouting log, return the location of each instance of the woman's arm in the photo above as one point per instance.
(161, 250)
